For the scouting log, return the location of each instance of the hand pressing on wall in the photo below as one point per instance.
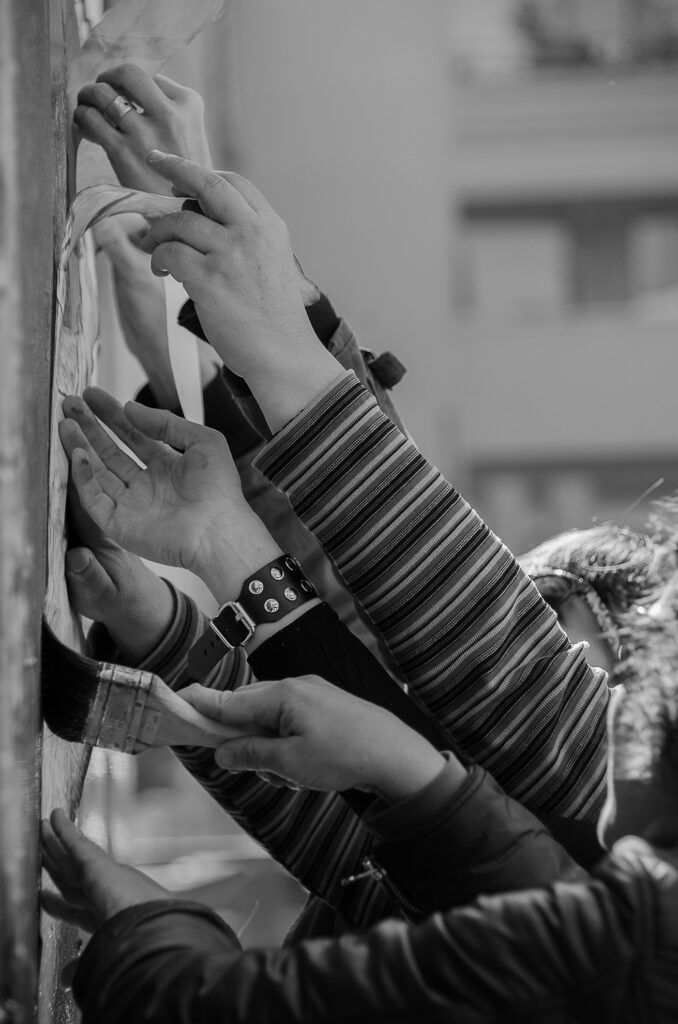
(128, 113)
(140, 300)
(112, 586)
(235, 260)
(180, 504)
(92, 885)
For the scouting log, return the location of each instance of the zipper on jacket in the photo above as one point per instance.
(376, 871)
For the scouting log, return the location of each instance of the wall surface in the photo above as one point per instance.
(36, 42)
(337, 112)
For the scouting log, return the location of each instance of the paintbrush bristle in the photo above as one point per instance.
(88, 701)
(69, 681)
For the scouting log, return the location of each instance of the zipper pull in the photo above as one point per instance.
(371, 871)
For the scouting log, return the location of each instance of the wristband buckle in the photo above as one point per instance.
(239, 618)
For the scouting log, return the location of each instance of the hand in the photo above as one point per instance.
(236, 263)
(185, 508)
(140, 300)
(171, 118)
(114, 587)
(309, 733)
(93, 887)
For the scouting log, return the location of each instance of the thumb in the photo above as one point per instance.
(173, 90)
(162, 425)
(89, 585)
(75, 842)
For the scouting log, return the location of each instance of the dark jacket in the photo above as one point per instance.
(596, 951)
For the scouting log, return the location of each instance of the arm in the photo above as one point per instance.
(570, 949)
(467, 627)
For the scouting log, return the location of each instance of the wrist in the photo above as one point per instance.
(407, 768)
(229, 553)
(285, 389)
(143, 624)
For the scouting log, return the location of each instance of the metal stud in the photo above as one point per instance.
(276, 573)
(256, 587)
(290, 594)
(291, 563)
(271, 605)
(306, 587)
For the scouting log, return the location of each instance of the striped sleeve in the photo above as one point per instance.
(316, 836)
(467, 627)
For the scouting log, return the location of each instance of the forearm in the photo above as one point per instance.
(466, 626)
(478, 961)
(293, 826)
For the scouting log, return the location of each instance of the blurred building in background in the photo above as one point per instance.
(566, 280)
(490, 190)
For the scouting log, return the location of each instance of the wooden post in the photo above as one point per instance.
(36, 42)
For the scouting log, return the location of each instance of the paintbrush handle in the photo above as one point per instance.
(133, 710)
(169, 720)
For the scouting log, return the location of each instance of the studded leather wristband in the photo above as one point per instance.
(266, 596)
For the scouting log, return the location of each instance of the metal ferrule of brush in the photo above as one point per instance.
(119, 718)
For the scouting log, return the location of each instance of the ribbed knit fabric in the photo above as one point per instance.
(466, 626)
(316, 836)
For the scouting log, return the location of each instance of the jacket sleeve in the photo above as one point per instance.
(466, 626)
(563, 953)
(448, 844)
(316, 836)
(438, 849)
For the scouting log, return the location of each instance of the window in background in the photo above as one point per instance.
(599, 259)
(515, 268)
(653, 252)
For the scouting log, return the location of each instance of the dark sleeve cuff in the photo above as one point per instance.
(169, 653)
(135, 937)
(391, 822)
(475, 841)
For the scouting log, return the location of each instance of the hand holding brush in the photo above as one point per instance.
(116, 707)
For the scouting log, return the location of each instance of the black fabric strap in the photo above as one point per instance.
(266, 596)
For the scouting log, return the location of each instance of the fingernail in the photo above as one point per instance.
(157, 154)
(77, 560)
(222, 757)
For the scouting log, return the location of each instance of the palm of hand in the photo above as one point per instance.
(163, 512)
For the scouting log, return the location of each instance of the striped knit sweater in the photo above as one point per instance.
(466, 626)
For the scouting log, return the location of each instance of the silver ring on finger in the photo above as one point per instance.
(116, 110)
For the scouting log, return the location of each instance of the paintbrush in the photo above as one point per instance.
(116, 707)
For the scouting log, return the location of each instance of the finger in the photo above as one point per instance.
(102, 97)
(112, 413)
(90, 588)
(252, 707)
(248, 191)
(173, 90)
(71, 891)
(57, 906)
(217, 197)
(112, 457)
(181, 261)
(273, 780)
(96, 503)
(72, 437)
(191, 228)
(253, 753)
(79, 848)
(137, 86)
(55, 858)
(166, 427)
(96, 128)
